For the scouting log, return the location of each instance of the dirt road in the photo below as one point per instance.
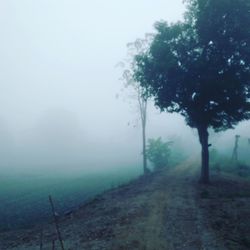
(175, 219)
(167, 210)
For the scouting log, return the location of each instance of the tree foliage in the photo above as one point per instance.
(158, 152)
(200, 67)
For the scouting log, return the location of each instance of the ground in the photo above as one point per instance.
(164, 210)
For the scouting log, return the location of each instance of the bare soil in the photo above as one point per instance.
(164, 210)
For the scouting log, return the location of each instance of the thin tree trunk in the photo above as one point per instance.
(203, 136)
(144, 148)
(143, 114)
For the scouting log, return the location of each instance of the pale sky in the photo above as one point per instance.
(57, 62)
(57, 53)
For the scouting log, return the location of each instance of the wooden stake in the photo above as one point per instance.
(41, 240)
(56, 222)
(53, 244)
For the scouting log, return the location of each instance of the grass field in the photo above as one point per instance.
(24, 199)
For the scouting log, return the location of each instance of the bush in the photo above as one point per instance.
(158, 152)
(223, 163)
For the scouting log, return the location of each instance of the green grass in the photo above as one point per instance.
(24, 200)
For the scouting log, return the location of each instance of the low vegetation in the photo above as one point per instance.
(24, 201)
(158, 152)
(223, 163)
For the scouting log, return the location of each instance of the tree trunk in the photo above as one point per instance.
(203, 136)
(145, 169)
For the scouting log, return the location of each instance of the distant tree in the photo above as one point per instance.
(200, 67)
(235, 150)
(158, 152)
(139, 93)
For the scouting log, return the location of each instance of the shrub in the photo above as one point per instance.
(223, 163)
(158, 152)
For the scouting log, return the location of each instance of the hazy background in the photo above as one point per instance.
(66, 128)
(58, 85)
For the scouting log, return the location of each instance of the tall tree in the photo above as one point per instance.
(200, 67)
(139, 93)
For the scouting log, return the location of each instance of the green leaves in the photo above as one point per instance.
(158, 152)
(207, 54)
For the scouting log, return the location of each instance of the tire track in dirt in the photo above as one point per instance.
(186, 227)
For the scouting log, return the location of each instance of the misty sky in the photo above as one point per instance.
(61, 54)
(58, 80)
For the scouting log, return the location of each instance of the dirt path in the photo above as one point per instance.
(167, 210)
(174, 219)
(186, 226)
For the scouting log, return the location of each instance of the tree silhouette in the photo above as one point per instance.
(200, 67)
(139, 93)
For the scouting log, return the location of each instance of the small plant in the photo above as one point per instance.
(158, 152)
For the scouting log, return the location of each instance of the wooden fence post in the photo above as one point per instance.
(56, 222)
(41, 240)
(53, 244)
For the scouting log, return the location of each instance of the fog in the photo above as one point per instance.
(60, 104)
